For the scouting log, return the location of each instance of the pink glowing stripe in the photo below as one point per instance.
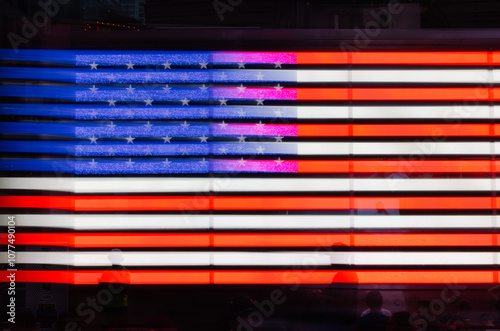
(269, 93)
(222, 129)
(254, 57)
(245, 165)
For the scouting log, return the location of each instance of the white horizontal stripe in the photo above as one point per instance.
(418, 147)
(396, 76)
(321, 148)
(423, 184)
(460, 111)
(112, 222)
(320, 76)
(421, 147)
(322, 112)
(321, 258)
(421, 76)
(252, 222)
(159, 185)
(496, 76)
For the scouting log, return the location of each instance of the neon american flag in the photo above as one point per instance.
(248, 167)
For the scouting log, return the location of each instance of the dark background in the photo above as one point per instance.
(252, 25)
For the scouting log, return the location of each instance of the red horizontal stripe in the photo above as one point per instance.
(104, 203)
(397, 93)
(282, 277)
(398, 58)
(91, 240)
(397, 130)
(391, 166)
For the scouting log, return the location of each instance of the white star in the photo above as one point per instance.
(130, 114)
(185, 125)
(111, 151)
(203, 65)
(241, 113)
(241, 88)
(279, 139)
(279, 113)
(277, 64)
(130, 139)
(260, 150)
(93, 114)
(166, 162)
(167, 65)
(223, 76)
(241, 139)
(148, 102)
(242, 162)
(112, 102)
(185, 102)
(93, 89)
(203, 139)
(241, 65)
(260, 102)
(93, 65)
(278, 87)
(184, 151)
(148, 151)
(223, 125)
(204, 162)
(130, 89)
(204, 113)
(111, 126)
(260, 76)
(148, 77)
(130, 65)
(166, 113)
(93, 139)
(130, 163)
(167, 88)
(112, 78)
(166, 139)
(203, 87)
(279, 161)
(223, 150)
(93, 163)
(223, 101)
(184, 76)
(260, 125)
(148, 126)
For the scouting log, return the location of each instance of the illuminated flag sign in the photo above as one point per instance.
(253, 167)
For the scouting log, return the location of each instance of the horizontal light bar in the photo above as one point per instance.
(159, 58)
(254, 277)
(160, 76)
(114, 240)
(395, 76)
(106, 166)
(140, 148)
(252, 222)
(105, 93)
(181, 203)
(128, 112)
(104, 259)
(158, 185)
(122, 130)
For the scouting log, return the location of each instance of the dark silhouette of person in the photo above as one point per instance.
(374, 319)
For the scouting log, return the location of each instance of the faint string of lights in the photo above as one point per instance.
(103, 25)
